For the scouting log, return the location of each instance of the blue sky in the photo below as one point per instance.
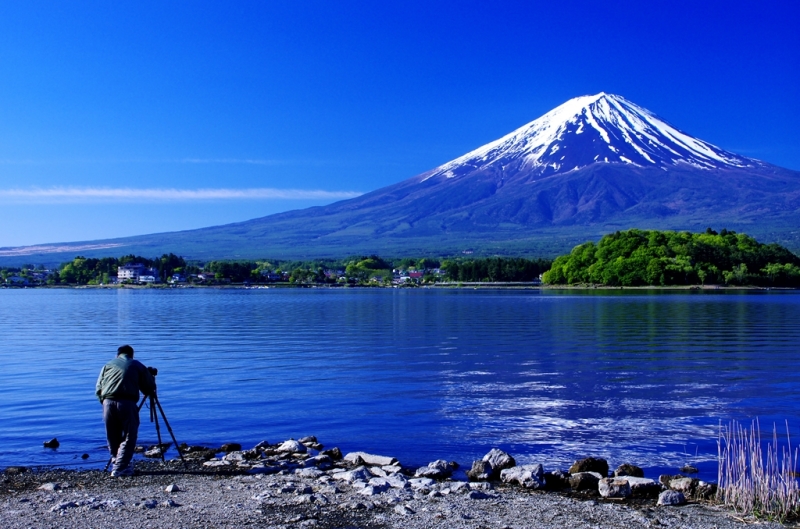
(141, 117)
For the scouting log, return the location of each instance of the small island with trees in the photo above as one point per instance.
(668, 258)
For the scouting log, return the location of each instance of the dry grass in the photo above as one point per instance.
(752, 482)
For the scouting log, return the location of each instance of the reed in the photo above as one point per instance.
(753, 482)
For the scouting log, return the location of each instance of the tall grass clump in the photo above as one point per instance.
(750, 481)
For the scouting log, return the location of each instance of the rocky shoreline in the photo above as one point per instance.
(299, 484)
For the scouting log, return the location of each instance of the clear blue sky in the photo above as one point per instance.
(140, 117)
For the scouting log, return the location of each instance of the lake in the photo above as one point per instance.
(420, 374)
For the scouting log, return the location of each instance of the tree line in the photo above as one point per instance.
(651, 257)
(83, 270)
(500, 269)
(353, 270)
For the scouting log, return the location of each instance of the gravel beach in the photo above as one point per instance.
(223, 493)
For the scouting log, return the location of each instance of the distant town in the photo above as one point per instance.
(372, 270)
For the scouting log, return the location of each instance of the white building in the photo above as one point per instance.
(131, 271)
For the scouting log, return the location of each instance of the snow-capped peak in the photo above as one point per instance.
(601, 128)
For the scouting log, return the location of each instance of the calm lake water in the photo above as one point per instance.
(549, 376)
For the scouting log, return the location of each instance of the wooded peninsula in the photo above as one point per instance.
(665, 258)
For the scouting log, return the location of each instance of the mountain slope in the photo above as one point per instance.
(592, 165)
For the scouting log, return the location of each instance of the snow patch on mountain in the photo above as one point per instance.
(601, 128)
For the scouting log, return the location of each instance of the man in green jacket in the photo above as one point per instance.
(118, 388)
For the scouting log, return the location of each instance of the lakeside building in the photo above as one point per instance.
(137, 272)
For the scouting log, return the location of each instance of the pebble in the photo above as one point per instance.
(214, 495)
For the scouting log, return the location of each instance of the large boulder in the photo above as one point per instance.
(292, 447)
(671, 497)
(490, 467)
(398, 481)
(320, 461)
(643, 487)
(439, 469)
(499, 460)
(584, 480)
(679, 483)
(556, 480)
(334, 453)
(614, 488)
(527, 476)
(481, 471)
(626, 469)
(590, 464)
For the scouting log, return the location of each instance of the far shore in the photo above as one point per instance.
(525, 285)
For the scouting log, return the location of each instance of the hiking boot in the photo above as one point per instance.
(123, 472)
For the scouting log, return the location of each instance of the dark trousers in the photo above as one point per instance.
(121, 418)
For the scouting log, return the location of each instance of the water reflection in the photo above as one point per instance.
(420, 374)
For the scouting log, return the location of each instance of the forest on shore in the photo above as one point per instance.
(356, 270)
(662, 258)
(624, 258)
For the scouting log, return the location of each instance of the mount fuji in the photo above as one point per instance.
(593, 165)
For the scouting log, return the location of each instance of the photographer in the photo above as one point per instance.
(118, 388)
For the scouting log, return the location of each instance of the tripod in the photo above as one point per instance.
(155, 407)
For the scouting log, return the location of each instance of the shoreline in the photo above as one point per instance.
(525, 285)
(295, 484)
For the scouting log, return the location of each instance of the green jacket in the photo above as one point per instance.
(123, 378)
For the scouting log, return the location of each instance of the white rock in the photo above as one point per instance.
(681, 484)
(499, 459)
(380, 483)
(640, 484)
(321, 461)
(421, 483)
(263, 469)
(50, 487)
(370, 459)
(370, 490)
(312, 473)
(172, 488)
(403, 510)
(216, 463)
(292, 447)
(377, 471)
(398, 481)
(459, 486)
(614, 488)
(438, 469)
(357, 474)
(528, 476)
